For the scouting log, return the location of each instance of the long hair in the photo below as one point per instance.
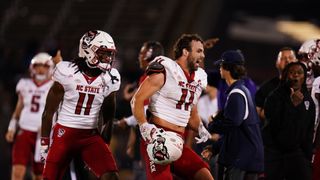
(83, 67)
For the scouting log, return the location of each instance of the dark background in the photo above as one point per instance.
(30, 26)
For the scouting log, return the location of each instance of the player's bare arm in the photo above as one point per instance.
(108, 110)
(194, 120)
(150, 85)
(196, 125)
(131, 143)
(55, 96)
(57, 57)
(14, 119)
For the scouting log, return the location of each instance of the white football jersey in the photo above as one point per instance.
(83, 95)
(34, 99)
(206, 108)
(174, 101)
(316, 90)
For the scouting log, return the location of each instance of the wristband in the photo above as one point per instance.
(131, 121)
(13, 125)
(44, 141)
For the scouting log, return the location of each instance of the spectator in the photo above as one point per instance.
(288, 134)
(286, 55)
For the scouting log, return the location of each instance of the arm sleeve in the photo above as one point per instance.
(273, 111)
(20, 86)
(58, 73)
(131, 120)
(307, 145)
(260, 98)
(115, 84)
(232, 117)
(235, 109)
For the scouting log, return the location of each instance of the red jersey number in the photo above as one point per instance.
(183, 99)
(35, 105)
(80, 103)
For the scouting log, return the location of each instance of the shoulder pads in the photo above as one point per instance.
(154, 67)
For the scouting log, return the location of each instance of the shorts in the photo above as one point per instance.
(70, 142)
(185, 167)
(23, 150)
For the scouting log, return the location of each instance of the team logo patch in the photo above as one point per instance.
(61, 132)
(88, 37)
(307, 104)
(160, 151)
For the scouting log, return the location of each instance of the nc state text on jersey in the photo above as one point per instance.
(188, 86)
(89, 89)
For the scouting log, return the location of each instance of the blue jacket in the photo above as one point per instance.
(242, 147)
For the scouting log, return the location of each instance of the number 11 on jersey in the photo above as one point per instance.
(183, 99)
(80, 103)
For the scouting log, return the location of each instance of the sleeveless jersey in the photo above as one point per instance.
(174, 101)
(83, 95)
(34, 99)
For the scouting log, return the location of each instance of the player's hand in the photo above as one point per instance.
(209, 43)
(121, 123)
(147, 130)
(207, 153)
(44, 148)
(204, 135)
(57, 58)
(10, 136)
(130, 151)
(296, 97)
(11, 130)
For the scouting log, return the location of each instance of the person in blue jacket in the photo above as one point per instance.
(242, 149)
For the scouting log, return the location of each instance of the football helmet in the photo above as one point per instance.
(309, 54)
(153, 49)
(98, 49)
(165, 148)
(41, 58)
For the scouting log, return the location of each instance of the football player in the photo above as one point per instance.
(26, 118)
(310, 52)
(148, 52)
(85, 89)
(173, 88)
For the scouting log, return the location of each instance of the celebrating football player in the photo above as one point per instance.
(173, 88)
(85, 90)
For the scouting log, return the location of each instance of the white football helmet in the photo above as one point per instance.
(41, 58)
(91, 43)
(309, 53)
(312, 49)
(165, 148)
